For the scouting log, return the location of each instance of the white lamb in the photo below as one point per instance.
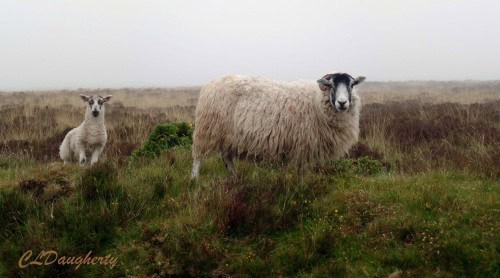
(90, 137)
(301, 121)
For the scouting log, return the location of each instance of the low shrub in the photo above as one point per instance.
(165, 136)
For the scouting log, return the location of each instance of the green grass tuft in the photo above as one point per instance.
(99, 182)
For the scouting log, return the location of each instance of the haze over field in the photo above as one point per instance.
(73, 44)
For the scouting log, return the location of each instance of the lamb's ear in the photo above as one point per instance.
(324, 84)
(84, 97)
(107, 98)
(358, 80)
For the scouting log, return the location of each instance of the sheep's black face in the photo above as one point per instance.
(95, 104)
(339, 86)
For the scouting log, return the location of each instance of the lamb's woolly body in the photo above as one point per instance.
(272, 120)
(88, 138)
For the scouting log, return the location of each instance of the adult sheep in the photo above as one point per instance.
(301, 121)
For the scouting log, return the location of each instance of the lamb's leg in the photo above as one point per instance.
(95, 155)
(195, 173)
(228, 162)
(83, 157)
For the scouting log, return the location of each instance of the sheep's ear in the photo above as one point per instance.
(358, 80)
(107, 98)
(84, 97)
(324, 84)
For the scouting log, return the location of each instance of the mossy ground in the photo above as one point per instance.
(355, 217)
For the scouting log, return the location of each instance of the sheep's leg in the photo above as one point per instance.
(195, 172)
(83, 157)
(95, 155)
(228, 162)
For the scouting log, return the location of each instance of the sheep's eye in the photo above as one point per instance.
(100, 102)
(91, 101)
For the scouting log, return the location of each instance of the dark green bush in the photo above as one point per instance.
(368, 167)
(164, 137)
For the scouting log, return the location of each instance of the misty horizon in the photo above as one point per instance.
(155, 44)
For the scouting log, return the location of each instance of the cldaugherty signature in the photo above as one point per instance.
(50, 257)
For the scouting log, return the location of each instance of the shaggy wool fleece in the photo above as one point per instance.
(261, 118)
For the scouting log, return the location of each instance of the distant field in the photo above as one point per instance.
(419, 193)
(34, 123)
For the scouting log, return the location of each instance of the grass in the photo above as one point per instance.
(268, 223)
(419, 194)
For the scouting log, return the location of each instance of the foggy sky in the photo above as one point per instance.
(57, 44)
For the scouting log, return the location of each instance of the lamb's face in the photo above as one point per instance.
(95, 104)
(339, 86)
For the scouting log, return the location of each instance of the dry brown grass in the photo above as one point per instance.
(463, 92)
(416, 125)
(421, 137)
(140, 98)
(35, 123)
